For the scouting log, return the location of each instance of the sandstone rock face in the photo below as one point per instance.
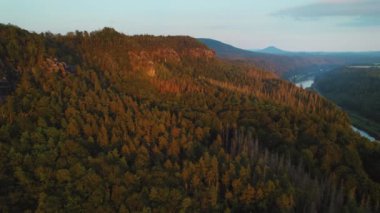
(151, 71)
(142, 61)
(53, 65)
(146, 61)
(201, 53)
(166, 55)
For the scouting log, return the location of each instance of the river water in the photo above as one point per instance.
(308, 83)
(305, 84)
(363, 134)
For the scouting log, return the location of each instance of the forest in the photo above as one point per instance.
(355, 89)
(106, 122)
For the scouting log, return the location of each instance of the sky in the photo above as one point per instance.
(297, 25)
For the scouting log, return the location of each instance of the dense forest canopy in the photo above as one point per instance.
(106, 122)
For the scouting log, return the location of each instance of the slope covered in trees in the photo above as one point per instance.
(356, 90)
(106, 122)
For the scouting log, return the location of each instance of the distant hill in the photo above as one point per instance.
(288, 63)
(266, 59)
(274, 50)
(224, 50)
(277, 51)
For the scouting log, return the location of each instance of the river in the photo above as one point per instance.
(308, 83)
(363, 134)
(305, 84)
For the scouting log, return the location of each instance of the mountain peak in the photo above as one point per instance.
(273, 50)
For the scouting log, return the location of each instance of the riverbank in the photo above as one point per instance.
(365, 127)
(372, 128)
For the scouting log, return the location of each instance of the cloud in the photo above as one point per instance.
(363, 22)
(340, 1)
(365, 12)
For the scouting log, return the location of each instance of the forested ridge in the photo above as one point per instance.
(106, 122)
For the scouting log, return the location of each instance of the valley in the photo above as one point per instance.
(302, 68)
(308, 84)
(355, 89)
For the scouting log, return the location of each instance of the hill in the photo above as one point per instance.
(228, 51)
(288, 64)
(274, 50)
(107, 122)
(284, 65)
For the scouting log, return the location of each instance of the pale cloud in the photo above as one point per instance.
(341, 1)
(365, 12)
